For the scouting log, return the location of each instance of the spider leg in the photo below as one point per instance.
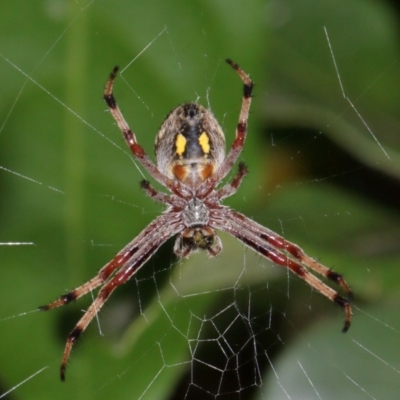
(141, 249)
(120, 259)
(128, 261)
(161, 197)
(251, 234)
(230, 188)
(299, 254)
(241, 131)
(130, 138)
(126, 272)
(279, 242)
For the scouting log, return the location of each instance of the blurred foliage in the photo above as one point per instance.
(318, 175)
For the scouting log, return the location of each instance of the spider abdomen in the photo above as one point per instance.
(190, 145)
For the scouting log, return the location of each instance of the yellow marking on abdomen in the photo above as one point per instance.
(204, 142)
(180, 144)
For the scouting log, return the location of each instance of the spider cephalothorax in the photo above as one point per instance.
(191, 163)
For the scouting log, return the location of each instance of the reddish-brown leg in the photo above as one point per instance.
(130, 138)
(127, 262)
(241, 131)
(243, 228)
(279, 242)
(119, 260)
(230, 188)
(160, 196)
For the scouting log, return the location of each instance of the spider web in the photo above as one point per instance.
(323, 170)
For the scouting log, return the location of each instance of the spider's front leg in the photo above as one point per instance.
(262, 240)
(124, 265)
(117, 262)
(296, 252)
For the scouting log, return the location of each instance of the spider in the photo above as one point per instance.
(191, 162)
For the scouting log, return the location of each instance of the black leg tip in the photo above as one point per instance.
(243, 168)
(62, 373)
(346, 326)
(231, 63)
(114, 72)
(144, 184)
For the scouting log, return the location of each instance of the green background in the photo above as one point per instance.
(317, 175)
